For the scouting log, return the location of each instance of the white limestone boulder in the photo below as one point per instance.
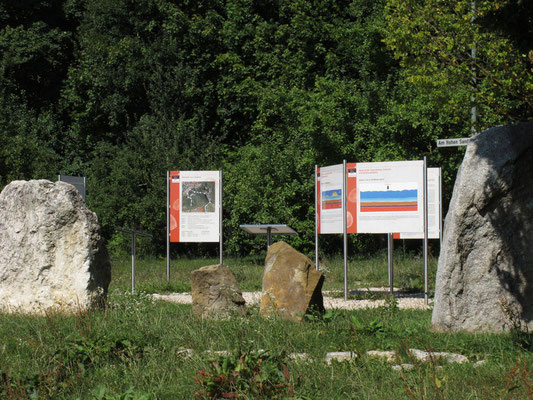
(485, 269)
(51, 253)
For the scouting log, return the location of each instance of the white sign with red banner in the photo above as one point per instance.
(434, 208)
(194, 198)
(381, 197)
(390, 197)
(330, 199)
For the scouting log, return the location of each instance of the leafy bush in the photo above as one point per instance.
(235, 376)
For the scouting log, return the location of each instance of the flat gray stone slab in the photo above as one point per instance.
(340, 356)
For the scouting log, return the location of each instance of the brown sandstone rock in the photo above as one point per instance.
(292, 286)
(215, 292)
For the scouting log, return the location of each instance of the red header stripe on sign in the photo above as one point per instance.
(318, 199)
(174, 198)
(351, 197)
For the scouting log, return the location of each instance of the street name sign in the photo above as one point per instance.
(453, 142)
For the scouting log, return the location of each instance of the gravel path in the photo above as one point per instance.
(405, 301)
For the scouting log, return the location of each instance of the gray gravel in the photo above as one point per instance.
(405, 301)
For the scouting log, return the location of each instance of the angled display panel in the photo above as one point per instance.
(389, 197)
(194, 198)
(434, 209)
(330, 199)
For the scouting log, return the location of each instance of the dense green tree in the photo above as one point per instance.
(462, 50)
(35, 52)
(121, 91)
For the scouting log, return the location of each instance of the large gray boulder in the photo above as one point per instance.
(215, 293)
(485, 270)
(51, 253)
(292, 287)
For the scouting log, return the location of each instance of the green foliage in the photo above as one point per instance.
(122, 91)
(434, 40)
(237, 376)
(101, 393)
(133, 350)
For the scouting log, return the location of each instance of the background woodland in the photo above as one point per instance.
(120, 91)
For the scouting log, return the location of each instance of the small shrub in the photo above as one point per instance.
(233, 377)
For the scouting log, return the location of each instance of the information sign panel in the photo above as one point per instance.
(434, 208)
(330, 199)
(194, 198)
(77, 181)
(389, 197)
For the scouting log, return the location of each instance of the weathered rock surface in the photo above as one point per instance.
(215, 292)
(51, 253)
(485, 269)
(292, 286)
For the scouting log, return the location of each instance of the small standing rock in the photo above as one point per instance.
(215, 292)
(292, 287)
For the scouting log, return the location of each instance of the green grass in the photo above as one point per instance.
(363, 272)
(133, 349)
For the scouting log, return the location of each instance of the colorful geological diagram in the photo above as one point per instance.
(389, 200)
(332, 199)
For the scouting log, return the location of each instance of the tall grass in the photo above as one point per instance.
(134, 349)
(139, 348)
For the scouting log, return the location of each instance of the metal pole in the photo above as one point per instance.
(441, 233)
(220, 219)
(84, 189)
(473, 110)
(425, 249)
(132, 262)
(168, 226)
(345, 235)
(390, 252)
(316, 217)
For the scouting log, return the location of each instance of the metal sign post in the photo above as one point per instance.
(168, 226)
(390, 253)
(425, 250)
(345, 234)
(316, 217)
(220, 249)
(133, 233)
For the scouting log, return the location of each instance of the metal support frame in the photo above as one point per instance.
(133, 233)
(345, 234)
(133, 263)
(168, 225)
(441, 226)
(390, 257)
(425, 248)
(316, 217)
(220, 219)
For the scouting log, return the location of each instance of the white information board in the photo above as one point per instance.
(390, 197)
(434, 208)
(331, 199)
(194, 206)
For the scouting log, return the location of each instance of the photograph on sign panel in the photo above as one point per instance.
(198, 197)
(331, 199)
(388, 197)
